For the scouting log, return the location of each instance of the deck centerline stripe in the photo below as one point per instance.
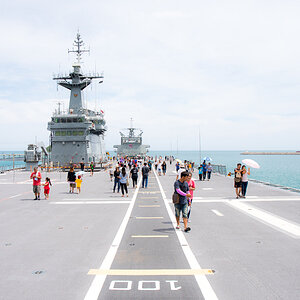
(151, 272)
(97, 284)
(204, 285)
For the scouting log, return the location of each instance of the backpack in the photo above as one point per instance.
(238, 176)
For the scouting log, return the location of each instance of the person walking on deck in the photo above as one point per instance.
(145, 173)
(47, 185)
(164, 167)
(181, 187)
(92, 166)
(123, 182)
(209, 170)
(134, 175)
(200, 172)
(82, 166)
(181, 169)
(192, 187)
(116, 179)
(71, 179)
(238, 180)
(159, 168)
(36, 184)
(245, 174)
(78, 182)
(204, 166)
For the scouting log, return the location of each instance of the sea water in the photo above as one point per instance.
(276, 169)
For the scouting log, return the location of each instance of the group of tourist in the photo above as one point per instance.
(205, 170)
(241, 180)
(36, 176)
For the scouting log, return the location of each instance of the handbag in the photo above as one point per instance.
(127, 182)
(175, 198)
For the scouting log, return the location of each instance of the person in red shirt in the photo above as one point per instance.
(192, 187)
(36, 176)
(47, 187)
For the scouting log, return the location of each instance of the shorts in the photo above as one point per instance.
(46, 191)
(36, 189)
(72, 184)
(181, 207)
(237, 184)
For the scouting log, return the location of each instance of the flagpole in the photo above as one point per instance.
(199, 147)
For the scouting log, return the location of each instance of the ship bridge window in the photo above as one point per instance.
(57, 133)
(69, 120)
(69, 133)
(62, 120)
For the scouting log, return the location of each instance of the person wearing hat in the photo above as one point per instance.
(181, 169)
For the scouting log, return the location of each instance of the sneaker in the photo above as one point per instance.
(35, 198)
(177, 227)
(187, 229)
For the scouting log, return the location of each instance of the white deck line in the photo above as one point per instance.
(217, 213)
(292, 229)
(15, 196)
(204, 285)
(96, 286)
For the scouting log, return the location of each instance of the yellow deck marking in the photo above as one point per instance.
(149, 236)
(157, 272)
(154, 192)
(149, 205)
(149, 217)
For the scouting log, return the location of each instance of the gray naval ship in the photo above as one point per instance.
(78, 133)
(131, 143)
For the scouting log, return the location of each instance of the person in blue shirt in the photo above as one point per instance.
(200, 172)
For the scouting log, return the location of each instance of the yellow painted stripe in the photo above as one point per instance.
(149, 236)
(148, 272)
(149, 205)
(149, 217)
(154, 192)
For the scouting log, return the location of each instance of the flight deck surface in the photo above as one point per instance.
(98, 245)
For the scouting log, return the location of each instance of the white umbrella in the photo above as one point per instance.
(79, 173)
(251, 163)
(207, 158)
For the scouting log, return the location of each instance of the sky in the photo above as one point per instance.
(229, 70)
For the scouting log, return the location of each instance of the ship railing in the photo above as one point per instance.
(221, 169)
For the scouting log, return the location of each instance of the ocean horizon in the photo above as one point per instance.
(276, 169)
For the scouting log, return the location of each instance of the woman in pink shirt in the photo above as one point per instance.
(192, 187)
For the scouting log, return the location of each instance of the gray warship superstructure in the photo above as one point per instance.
(131, 143)
(78, 133)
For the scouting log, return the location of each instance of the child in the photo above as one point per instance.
(78, 183)
(47, 187)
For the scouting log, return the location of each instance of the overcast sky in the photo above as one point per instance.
(230, 68)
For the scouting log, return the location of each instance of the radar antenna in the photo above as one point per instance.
(78, 44)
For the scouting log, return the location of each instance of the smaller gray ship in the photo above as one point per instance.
(131, 143)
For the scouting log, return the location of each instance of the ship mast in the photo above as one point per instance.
(76, 81)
